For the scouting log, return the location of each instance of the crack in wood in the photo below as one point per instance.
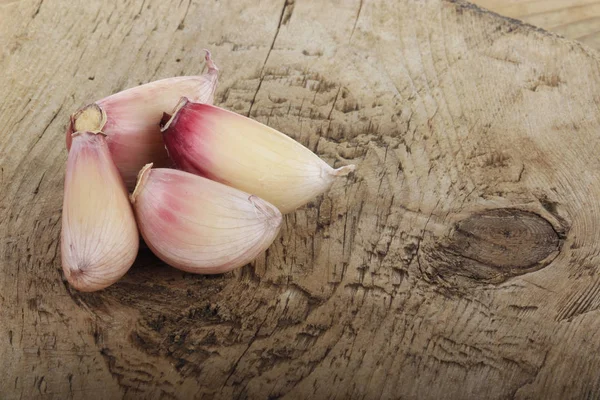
(262, 70)
(360, 5)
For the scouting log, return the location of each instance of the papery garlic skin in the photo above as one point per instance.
(99, 237)
(201, 226)
(133, 118)
(243, 153)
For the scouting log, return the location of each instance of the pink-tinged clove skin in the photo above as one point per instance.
(133, 116)
(99, 237)
(245, 154)
(201, 226)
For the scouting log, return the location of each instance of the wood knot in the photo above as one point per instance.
(495, 245)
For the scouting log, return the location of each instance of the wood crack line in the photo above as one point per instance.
(48, 125)
(262, 70)
(254, 337)
(356, 19)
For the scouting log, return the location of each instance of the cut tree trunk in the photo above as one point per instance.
(460, 261)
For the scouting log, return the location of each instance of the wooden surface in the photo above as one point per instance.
(460, 261)
(573, 19)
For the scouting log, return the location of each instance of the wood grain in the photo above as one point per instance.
(460, 261)
(574, 19)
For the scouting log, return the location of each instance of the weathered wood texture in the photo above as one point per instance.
(460, 261)
(574, 19)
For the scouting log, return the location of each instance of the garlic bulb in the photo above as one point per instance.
(132, 118)
(99, 238)
(201, 226)
(243, 153)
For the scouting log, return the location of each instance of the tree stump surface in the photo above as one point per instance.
(460, 260)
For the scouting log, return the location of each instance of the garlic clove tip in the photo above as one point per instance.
(209, 61)
(343, 171)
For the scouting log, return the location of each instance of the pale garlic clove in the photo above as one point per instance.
(243, 153)
(201, 226)
(99, 237)
(132, 118)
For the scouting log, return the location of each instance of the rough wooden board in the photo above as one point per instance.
(474, 135)
(574, 19)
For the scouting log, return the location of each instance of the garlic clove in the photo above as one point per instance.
(99, 237)
(133, 117)
(243, 153)
(201, 226)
